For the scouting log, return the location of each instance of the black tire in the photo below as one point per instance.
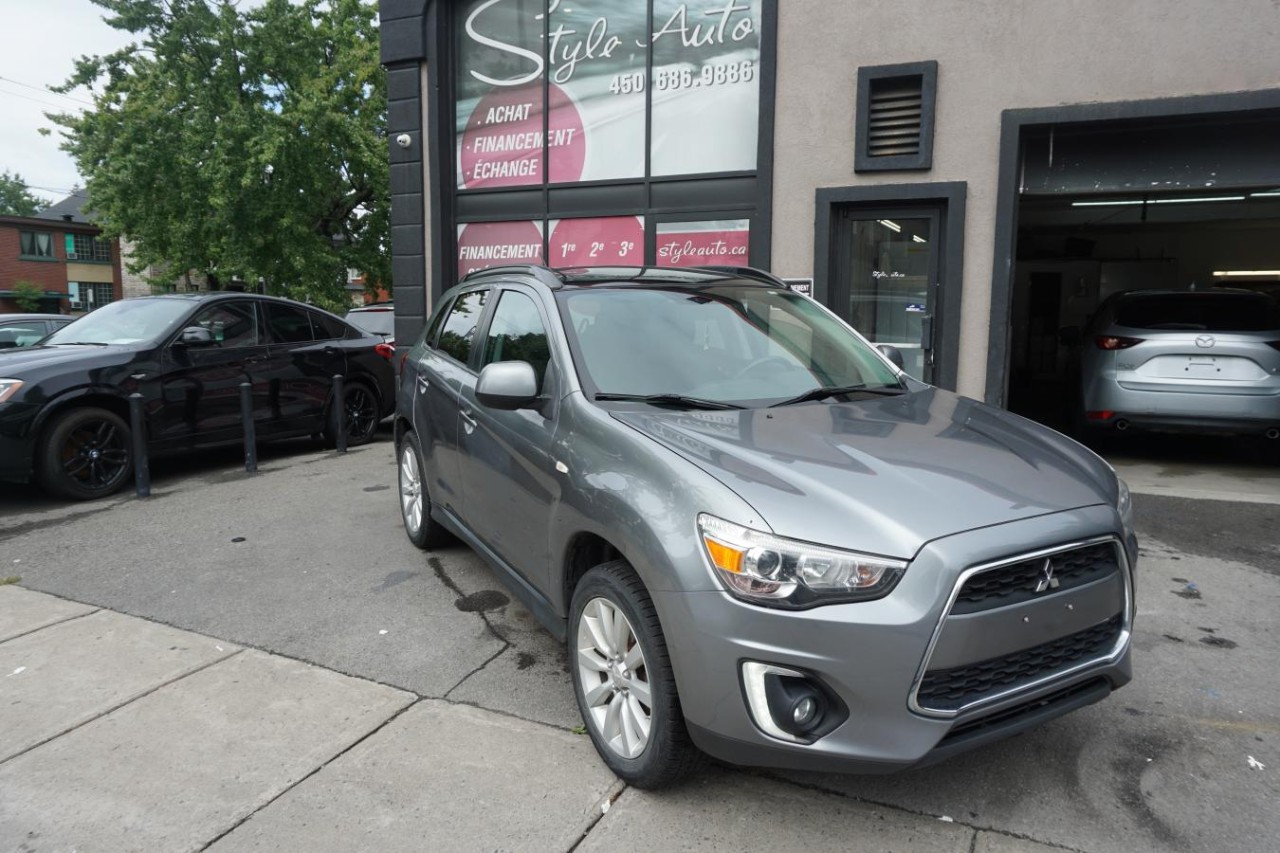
(426, 532)
(360, 415)
(667, 755)
(85, 453)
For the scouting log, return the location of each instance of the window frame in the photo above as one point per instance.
(32, 233)
(482, 327)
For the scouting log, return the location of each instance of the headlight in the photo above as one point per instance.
(9, 387)
(1124, 503)
(767, 569)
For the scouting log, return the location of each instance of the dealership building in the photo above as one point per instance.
(964, 179)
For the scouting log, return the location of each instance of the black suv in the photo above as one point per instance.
(64, 413)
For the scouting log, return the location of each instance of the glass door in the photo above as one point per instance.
(886, 279)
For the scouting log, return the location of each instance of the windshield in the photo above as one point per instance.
(380, 322)
(728, 343)
(128, 321)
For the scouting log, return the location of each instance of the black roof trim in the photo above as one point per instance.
(560, 277)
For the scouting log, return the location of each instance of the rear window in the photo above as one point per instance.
(1201, 312)
(381, 322)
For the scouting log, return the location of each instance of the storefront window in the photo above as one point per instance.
(601, 241)
(721, 242)
(706, 86)
(705, 89)
(491, 244)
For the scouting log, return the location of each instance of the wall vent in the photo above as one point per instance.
(895, 116)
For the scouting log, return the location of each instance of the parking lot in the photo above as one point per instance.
(336, 688)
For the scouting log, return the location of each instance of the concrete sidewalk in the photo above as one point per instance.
(117, 733)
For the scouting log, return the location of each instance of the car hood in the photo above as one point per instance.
(22, 360)
(885, 475)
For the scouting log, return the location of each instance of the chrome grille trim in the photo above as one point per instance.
(1113, 655)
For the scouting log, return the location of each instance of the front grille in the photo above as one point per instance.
(1016, 582)
(1010, 717)
(952, 689)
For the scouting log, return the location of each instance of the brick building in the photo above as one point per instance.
(63, 255)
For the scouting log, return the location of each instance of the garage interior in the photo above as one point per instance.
(1132, 205)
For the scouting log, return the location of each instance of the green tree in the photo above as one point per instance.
(241, 143)
(16, 199)
(27, 294)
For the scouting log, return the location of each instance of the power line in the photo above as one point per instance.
(45, 90)
(33, 100)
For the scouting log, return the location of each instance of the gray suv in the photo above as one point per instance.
(760, 539)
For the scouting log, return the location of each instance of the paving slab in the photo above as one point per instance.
(22, 610)
(441, 777)
(732, 812)
(263, 560)
(177, 768)
(59, 677)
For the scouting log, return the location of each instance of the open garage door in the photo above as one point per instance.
(1131, 207)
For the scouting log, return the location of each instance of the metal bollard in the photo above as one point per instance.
(141, 466)
(339, 415)
(250, 437)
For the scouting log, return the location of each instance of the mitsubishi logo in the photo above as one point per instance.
(1046, 581)
(1205, 341)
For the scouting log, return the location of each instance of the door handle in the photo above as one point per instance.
(926, 332)
(423, 385)
(468, 422)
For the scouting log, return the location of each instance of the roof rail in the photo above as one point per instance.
(541, 273)
(745, 272)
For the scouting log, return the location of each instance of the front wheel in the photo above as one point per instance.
(623, 681)
(359, 415)
(86, 453)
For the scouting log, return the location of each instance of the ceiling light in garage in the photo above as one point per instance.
(1196, 200)
(1115, 203)
(892, 226)
(1246, 274)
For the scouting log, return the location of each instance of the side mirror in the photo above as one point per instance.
(893, 354)
(507, 385)
(196, 336)
(1070, 336)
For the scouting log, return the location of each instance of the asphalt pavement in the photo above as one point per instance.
(264, 662)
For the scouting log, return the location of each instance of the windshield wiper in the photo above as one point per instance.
(78, 344)
(670, 400)
(837, 390)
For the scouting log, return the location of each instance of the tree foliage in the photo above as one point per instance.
(27, 294)
(241, 143)
(15, 197)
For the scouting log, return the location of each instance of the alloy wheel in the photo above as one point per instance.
(411, 502)
(95, 455)
(361, 412)
(615, 681)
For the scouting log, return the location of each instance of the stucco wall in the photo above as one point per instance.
(993, 55)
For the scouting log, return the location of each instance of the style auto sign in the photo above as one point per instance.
(564, 96)
(730, 21)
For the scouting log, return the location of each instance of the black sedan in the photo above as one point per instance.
(64, 410)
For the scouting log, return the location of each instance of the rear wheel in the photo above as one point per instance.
(623, 680)
(359, 415)
(415, 504)
(86, 453)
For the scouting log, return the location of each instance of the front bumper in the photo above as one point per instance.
(872, 655)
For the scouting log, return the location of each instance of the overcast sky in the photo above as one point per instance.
(39, 43)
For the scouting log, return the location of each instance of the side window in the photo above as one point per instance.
(288, 325)
(15, 335)
(234, 324)
(429, 336)
(460, 326)
(326, 328)
(518, 334)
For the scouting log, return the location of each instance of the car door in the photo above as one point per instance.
(299, 369)
(200, 385)
(505, 462)
(443, 369)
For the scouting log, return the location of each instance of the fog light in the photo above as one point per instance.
(789, 704)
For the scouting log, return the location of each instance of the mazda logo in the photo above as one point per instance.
(1205, 341)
